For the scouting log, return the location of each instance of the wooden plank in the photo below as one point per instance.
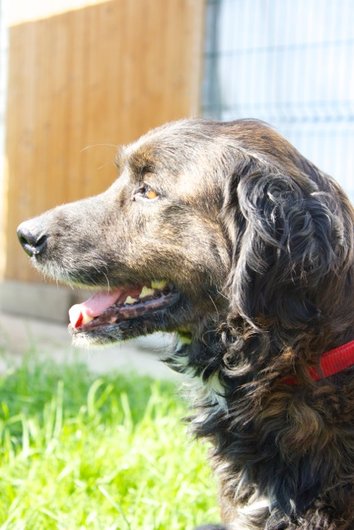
(21, 144)
(98, 134)
(74, 174)
(82, 82)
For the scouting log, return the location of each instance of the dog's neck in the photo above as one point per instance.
(331, 363)
(264, 415)
(204, 354)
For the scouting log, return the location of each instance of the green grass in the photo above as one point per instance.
(78, 451)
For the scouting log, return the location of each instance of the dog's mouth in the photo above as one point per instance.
(121, 304)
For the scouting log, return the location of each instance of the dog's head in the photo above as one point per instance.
(205, 218)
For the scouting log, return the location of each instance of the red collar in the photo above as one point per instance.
(332, 362)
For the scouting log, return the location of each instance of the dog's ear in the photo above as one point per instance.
(288, 239)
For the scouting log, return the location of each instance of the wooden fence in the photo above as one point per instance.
(81, 82)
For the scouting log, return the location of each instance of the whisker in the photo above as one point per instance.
(87, 147)
(213, 302)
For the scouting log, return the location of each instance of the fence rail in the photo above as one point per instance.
(290, 64)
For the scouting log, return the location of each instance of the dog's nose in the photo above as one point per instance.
(32, 238)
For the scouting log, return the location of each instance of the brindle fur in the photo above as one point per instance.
(259, 242)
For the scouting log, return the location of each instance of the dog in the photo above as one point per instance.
(224, 234)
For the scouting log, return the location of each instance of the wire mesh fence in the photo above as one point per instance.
(291, 64)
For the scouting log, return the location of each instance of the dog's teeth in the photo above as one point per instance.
(86, 318)
(146, 291)
(130, 300)
(79, 316)
(158, 284)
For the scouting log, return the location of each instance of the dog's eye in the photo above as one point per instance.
(146, 192)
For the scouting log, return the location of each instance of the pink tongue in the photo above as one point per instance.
(93, 307)
(97, 303)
